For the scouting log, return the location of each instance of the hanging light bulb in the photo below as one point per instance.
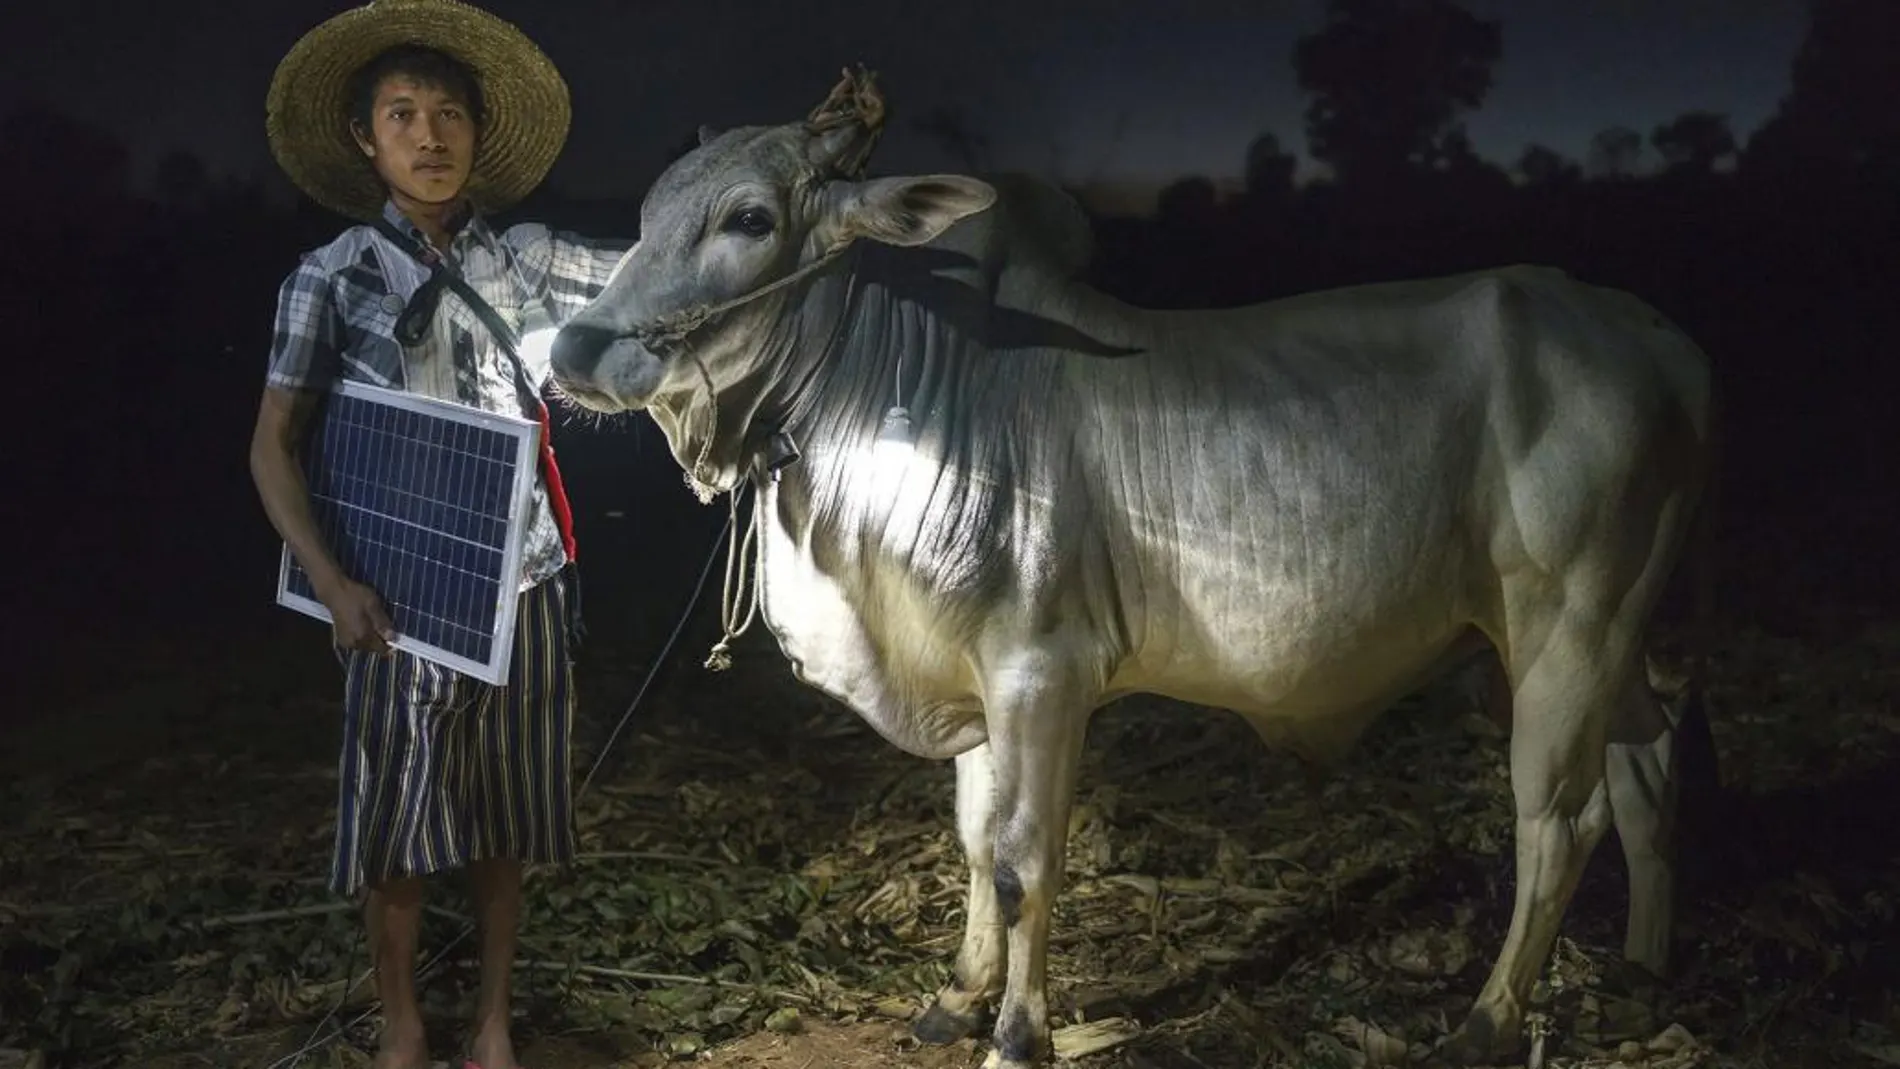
(895, 431)
(891, 453)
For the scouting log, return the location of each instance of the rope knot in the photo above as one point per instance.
(739, 600)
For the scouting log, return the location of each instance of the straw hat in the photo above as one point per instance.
(306, 114)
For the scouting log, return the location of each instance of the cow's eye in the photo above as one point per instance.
(752, 222)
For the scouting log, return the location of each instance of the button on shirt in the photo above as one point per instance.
(336, 317)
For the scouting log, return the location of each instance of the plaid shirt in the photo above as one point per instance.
(336, 317)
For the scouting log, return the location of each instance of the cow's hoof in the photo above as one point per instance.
(1479, 1041)
(997, 1061)
(939, 1026)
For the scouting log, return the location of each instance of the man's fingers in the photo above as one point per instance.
(369, 629)
(377, 634)
(380, 618)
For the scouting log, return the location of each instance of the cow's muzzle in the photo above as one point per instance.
(603, 370)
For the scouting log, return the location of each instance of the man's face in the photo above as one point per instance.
(422, 140)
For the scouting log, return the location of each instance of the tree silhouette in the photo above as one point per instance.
(1457, 171)
(1454, 155)
(1269, 171)
(1696, 141)
(953, 133)
(1389, 81)
(1615, 153)
(1546, 167)
(1839, 112)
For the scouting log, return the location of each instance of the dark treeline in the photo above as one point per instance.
(141, 321)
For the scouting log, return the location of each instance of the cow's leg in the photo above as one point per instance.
(978, 976)
(1037, 722)
(1563, 703)
(1641, 764)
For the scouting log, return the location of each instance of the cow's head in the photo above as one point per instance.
(727, 235)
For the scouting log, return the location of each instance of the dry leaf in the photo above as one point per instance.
(1379, 1046)
(1091, 1037)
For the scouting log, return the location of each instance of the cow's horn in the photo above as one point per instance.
(846, 126)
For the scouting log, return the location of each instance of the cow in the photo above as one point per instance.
(990, 499)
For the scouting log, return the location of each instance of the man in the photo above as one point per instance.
(415, 117)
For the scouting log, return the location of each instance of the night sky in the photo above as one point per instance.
(1049, 84)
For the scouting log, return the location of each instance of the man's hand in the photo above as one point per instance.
(358, 617)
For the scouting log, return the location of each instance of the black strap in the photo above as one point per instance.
(421, 309)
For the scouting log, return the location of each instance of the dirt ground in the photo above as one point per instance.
(767, 884)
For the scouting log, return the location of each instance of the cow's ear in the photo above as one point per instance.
(910, 210)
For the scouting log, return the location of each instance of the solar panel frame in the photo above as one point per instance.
(375, 565)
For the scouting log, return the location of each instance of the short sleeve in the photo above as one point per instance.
(307, 342)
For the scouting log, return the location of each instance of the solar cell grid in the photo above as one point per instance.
(423, 501)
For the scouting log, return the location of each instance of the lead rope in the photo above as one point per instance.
(676, 326)
(745, 556)
(701, 489)
(745, 562)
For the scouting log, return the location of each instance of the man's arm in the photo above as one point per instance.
(282, 417)
(305, 353)
(563, 272)
(578, 268)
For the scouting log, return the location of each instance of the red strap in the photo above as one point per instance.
(557, 493)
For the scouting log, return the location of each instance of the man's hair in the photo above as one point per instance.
(427, 66)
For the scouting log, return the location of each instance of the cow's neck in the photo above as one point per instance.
(888, 523)
(932, 331)
(804, 361)
(897, 339)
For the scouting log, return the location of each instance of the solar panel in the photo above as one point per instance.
(424, 501)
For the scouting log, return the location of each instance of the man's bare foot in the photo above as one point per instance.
(404, 1049)
(493, 1047)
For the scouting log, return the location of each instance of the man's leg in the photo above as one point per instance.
(393, 916)
(391, 825)
(522, 809)
(497, 883)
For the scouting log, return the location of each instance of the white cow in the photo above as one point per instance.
(1299, 510)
